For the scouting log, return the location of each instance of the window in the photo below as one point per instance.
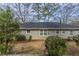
(71, 32)
(28, 31)
(63, 31)
(57, 32)
(43, 32)
(49, 32)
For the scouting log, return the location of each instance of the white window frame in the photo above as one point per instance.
(28, 32)
(44, 32)
(57, 32)
(71, 32)
(41, 32)
(63, 31)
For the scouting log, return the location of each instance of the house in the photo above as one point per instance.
(41, 30)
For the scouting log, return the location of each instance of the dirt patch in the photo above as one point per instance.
(73, 49)
(33, 47)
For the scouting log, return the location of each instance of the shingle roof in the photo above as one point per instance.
(46, 25)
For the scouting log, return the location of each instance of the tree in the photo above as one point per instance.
(36, 7)
(44, 11)
(22, 11)
(8, 26)
(34, 11)
(66, 12)
(55, 46)
(49, 9)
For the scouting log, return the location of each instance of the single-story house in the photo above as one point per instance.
(41, 30)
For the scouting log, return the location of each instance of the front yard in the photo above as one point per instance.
(73, 49)
(36, 47)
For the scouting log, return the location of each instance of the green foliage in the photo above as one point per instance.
(3, 49)
(20, 37)
(30, 38)
(55, 46)
(1, 39)
(8, 28)
(76, 39)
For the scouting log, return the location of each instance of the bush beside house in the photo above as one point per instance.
(20, 37)
(55, 46)
(30, 38)
(76, 39)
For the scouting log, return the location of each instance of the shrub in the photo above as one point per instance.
(8, 38)
(55, 46)
(20, 37)
(1, 39)
(3, 48)
(30, 38)
(76, 39)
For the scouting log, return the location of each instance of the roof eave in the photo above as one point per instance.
(53, 28)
